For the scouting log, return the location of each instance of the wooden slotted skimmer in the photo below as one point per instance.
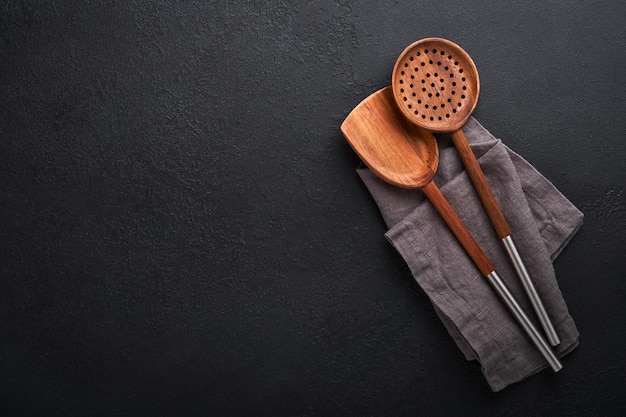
(436, 86)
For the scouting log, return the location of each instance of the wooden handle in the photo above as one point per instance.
(458, 228)
(480, 183)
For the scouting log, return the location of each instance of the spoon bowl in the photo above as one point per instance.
(399, 152)
(435, 84)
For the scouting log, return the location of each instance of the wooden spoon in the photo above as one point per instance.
(436, 86)
(406, 156)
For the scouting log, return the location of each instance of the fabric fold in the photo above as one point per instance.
(542, 222)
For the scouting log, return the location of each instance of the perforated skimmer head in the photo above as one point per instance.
(435, 84)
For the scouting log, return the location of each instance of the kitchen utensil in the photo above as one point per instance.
(436, 86)
(406, 155)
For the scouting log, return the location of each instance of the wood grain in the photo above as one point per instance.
(458, 228)
(481, 185)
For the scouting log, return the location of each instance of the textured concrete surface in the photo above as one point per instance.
(183, 232)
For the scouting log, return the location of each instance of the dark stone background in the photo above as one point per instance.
(183, 232)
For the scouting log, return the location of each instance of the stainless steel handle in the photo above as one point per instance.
(522, 318)
(531, 291)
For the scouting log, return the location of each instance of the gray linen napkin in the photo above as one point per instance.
(542, 221)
